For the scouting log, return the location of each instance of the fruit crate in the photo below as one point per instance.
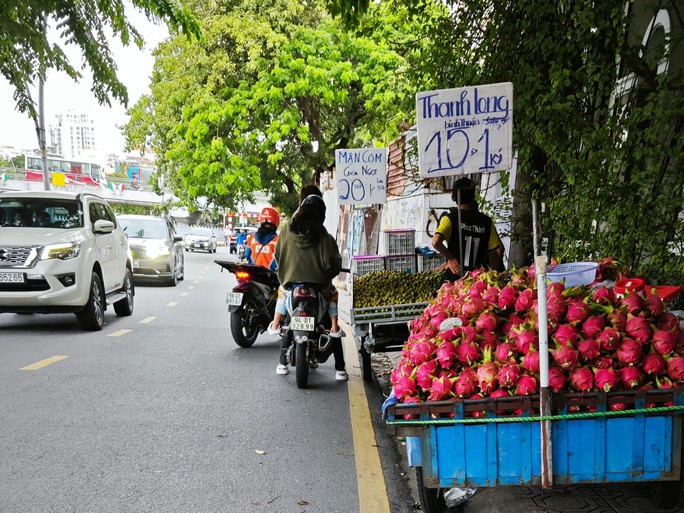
(400, 242)
(497, 442)
(387, 314)
(430, 262)
(406, 263)
(364, 264)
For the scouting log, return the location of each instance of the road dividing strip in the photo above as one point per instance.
(118, 333)
(44, 363)
(172, 303)
(369, 475)
(147, 320)
(191, 286)
(184, 293)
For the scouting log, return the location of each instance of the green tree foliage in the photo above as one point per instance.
(263, 102)
(26, 53)
(605, 160)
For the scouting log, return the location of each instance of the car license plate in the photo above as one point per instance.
(196, 245)
(234, 298)
(12, 277)
(302, 324)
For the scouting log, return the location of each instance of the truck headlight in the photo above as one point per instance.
(64, 251)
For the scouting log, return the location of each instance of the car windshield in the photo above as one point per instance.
(144, 228)
(206, 232)
(40, 213)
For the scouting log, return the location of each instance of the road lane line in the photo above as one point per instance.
(184, 293)
(191, 287)
(172, 303)
(44, 363)
(147, 320)
(369, 475)
(118, 333)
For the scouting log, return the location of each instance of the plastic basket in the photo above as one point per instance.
(364, 264)
(406, 263)
(400, 242)
(430, 263)
(574, 273)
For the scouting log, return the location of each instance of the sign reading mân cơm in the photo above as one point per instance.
(361, 176)
(465, 130)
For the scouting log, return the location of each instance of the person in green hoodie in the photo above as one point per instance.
(307, 253)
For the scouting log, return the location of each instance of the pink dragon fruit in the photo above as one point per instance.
(556, 307)
(405, 387)
(565, 357)
(487, 321)
(609, 339)
(468, 353)
(582, 379)
(639, 329)
(509, 374)
(527, 385)
(451, 334)
(438, 319)
(487, 374)
(526, 338)
(654, 364)
(604, 362)
(629, 352)
(468, 334)
(422, 352)
(525, 299)
(440, 389)
(663, 342)
(606, 379)
(530, 361)
(491, 295)
(631, 377)
(604, 296)
(566, 335)
(617, 319)
(555, 289)
(465, 384)
(446, 354)
(632, 303)
(669, 322)
(403, 369)
(653, 305)
(472, 307)
(557, 379)
(425, 374)
(593, 327)
(507, 297)
(589, 350)
(675, 368)
(505, 351)
(578, 312)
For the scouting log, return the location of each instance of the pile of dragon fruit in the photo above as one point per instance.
(598, 341)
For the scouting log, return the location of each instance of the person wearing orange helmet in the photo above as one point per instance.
(260, 245)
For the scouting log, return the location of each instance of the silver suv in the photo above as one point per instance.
(63, 253)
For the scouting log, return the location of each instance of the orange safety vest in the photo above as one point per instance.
(262, 255)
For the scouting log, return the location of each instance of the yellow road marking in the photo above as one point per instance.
(147, 320)
(118, 333)
(44, 363)
(370, 479)
(184, 293)
(172, 303)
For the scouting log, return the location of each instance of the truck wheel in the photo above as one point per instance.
(124, 307)
(91, 318)
(431, 499)
(301, 366)
(366, 369)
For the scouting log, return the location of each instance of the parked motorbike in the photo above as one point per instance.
(252, 302)
(306, 330)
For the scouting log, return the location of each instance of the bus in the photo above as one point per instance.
(75, 172)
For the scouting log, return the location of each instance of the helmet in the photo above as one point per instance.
(316, 203)
(269, 215)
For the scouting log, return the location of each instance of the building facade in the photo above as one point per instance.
(73, 135)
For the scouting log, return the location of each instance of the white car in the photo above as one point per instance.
(63, 253)
(200, 239)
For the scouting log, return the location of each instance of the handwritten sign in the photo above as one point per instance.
(465, 130)
(361, 176)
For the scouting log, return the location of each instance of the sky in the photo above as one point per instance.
(61, 92)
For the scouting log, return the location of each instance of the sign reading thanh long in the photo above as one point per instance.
(465, 130)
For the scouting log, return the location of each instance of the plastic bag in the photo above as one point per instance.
(457, 496)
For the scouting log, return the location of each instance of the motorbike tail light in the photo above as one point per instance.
(302, 314)
(242, 275)
(303, 292)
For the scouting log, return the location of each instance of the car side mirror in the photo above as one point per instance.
(103, 226)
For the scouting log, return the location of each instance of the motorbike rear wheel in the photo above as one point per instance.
(244, 323)
(301, 366)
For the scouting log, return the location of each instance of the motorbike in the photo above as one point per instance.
(252, 301)
(241, 251)
(306, 331)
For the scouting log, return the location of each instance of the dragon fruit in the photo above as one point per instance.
(487, 373)
(606, 379)
(566, 335)
(629, 352)
(488, 341)
(468, 353)
(604, 362)
(446, 354)
(507, 297)
(589, 350)
(565, 357)
(422, 352)
(654, 306)
(654, 364)
(425, 373)
(617, 319)
(440, 389)
(509, 374)
(472, 307)
(609, 339)
(557, 379)
(505, 351)
(555, 289)
(578, 312)
(631, 377)
(604, 296)
(593, 327)
(487, 321)
(491, 295)
(556, 307)
(638, 328)
(530, 361)
(405, 387)
(663, 342)
(527, 385)
(632, 303)
(451, 334)
(525, 300)
(669, 322)
(675, 368)
(465, 384)
(527, 338)
(582, 379)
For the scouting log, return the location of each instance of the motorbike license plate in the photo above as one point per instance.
(302, 324)
(12, 277)
(234, 298)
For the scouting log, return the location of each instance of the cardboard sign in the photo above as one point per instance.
(361, 176)
(465, 130)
